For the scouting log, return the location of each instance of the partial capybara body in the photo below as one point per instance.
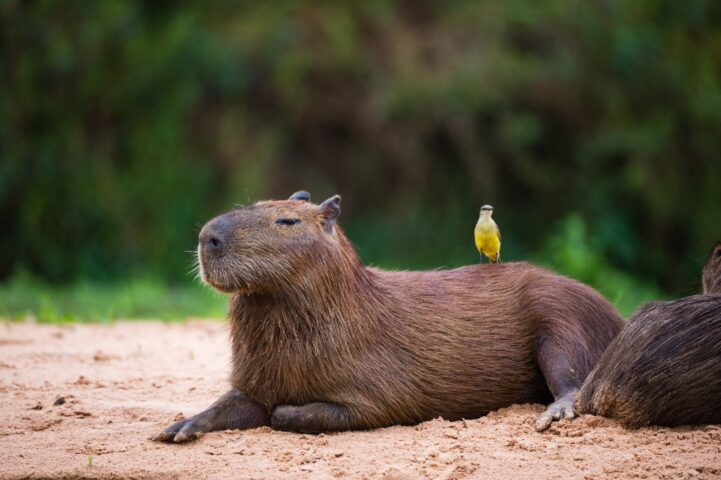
(663, 369)
(665, 366)
(403, 347)
(322, 343)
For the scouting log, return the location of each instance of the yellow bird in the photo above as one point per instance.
(488, 236)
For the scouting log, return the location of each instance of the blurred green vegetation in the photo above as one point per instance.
(593, 127)
(140, 298)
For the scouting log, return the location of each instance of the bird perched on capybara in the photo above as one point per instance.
(321, 342)
(665, 366)
(487, 235)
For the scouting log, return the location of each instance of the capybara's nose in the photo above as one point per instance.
(214, 242)
(216, 234)
(211, 240)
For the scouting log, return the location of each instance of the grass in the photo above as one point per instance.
(140, 298)
(570, 249)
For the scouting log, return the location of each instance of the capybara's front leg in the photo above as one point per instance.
(311, 418)
(231, 411)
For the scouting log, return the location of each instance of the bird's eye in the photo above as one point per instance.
(287, 221)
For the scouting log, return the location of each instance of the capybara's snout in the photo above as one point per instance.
(214, 237)
(215, 243)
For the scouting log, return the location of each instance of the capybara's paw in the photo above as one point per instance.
(182, 431)
(286, 417)
(561, 408)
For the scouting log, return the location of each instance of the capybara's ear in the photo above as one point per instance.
(329, 211)
(301, 195)
(717, 250)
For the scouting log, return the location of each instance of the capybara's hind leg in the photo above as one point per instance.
(563, 381)
(563, 407)
(231, 411)
(311, 418)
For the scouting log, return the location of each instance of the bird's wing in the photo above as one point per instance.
(498, 231)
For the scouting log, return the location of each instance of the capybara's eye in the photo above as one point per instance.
(287, 221)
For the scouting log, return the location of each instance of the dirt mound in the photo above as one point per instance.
(80, 402)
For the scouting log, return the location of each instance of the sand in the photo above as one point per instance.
(123, 382)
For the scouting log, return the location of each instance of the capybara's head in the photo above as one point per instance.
(711, 278)
(269, 245)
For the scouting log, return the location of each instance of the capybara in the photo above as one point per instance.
(321, 342)
(711, 275)
(665, 366)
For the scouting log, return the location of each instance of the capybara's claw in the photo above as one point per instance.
(190, 431)
(179, 432)
(169, 433)
(543, 421)
(561, 408)
(161, 437)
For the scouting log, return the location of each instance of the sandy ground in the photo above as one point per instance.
(124, 382)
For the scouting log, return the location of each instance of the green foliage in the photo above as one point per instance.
(571, 251)
(125, 124)
(25, 297)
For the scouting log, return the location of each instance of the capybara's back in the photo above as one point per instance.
(663, 369)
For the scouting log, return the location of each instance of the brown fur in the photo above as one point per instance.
(663, 369)
(711, 276)
(360, 347)
(665, 366)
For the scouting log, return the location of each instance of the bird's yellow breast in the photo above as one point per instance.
(487, 238)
